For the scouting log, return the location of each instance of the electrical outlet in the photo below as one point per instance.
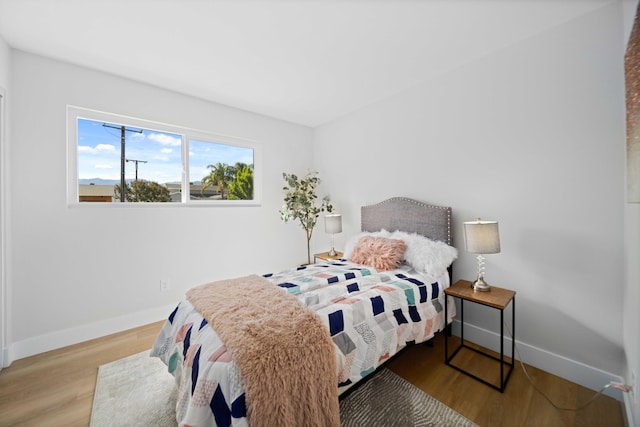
(164, 285)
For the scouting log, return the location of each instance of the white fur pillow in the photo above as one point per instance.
(426, 255)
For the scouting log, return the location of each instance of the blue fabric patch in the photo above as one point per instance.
(423, 293)
(377, 304)
(194, 370)
(267, 275)
(333, 279)
(353, 287)
(219, 408)
(336, 322)
(413, 313)
(434, 290)
(347, 382)
(173, 314)
(239, 407)
(349, 276)
(302, 267)
(287, 285)
(400, 318)
(203, 324)
(187, 343)
(410, 279)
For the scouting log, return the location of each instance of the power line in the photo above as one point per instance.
(123, 130)
(136, 162)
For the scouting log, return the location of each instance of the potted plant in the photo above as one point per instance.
(300, 203)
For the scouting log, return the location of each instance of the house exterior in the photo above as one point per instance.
(105, 193)
(95, 193)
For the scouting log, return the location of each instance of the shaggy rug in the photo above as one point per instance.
(138, 391)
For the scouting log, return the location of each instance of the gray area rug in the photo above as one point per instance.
(388, 400)
(138, 391)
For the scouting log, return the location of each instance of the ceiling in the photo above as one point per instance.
(306, 61)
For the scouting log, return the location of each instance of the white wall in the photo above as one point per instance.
(631, 316)
(78, 273)
(5, 60)
(531, 136)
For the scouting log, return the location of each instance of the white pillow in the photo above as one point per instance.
(426, 255)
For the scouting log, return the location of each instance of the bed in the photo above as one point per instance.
(386, 294)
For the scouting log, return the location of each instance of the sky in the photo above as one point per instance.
(99, 154)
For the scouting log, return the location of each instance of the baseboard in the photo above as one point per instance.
(5, 358)
(571, 370)
(66, 337)
(626, 411)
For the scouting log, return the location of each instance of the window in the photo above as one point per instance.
(120, 160)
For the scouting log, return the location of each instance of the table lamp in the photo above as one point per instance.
(333, 226)
(481, 237)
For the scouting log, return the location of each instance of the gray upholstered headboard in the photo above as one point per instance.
(411, 216)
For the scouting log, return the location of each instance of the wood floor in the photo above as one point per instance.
(519, 405)
(56, 388)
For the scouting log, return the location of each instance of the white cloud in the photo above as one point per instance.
(161, 158)
(166, 150)
(164, 139)
(103, 166)
(100, 148)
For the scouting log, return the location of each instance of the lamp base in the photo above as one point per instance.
(480, 285)
(332, 252)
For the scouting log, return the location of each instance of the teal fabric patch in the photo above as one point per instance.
(173, 362)
(408, 291)
(366, 372)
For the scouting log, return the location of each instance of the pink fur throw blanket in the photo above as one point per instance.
(283, 351)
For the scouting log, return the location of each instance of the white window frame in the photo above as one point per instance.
(74, 113)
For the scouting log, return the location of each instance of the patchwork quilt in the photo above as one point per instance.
(371, 315)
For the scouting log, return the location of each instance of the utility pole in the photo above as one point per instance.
(123, 129)
(136, 162)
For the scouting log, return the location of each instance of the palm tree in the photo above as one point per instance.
(241, 188)
(220, 176)
(235, 169)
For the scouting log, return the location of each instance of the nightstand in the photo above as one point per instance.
(497, 298)
(326, 257)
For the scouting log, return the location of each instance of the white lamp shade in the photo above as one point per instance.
(333, 224)
(482, 237)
